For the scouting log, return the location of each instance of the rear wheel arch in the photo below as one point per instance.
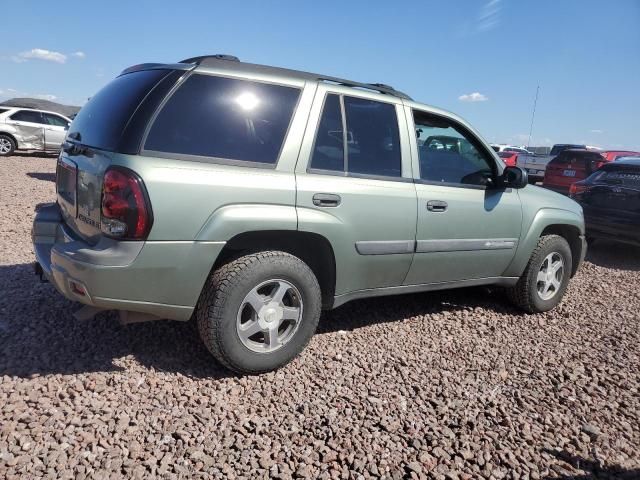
(312, 248)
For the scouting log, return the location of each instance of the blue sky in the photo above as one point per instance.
(584, 54)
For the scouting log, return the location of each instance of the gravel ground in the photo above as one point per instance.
(449, 385)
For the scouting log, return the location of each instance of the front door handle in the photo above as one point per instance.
(326, 200)
(436, 206)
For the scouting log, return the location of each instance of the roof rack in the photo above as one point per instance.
(214, 61)
(218, 56)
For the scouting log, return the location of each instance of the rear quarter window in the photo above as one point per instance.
(224, 118)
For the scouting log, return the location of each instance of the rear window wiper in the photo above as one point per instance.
(72, 148)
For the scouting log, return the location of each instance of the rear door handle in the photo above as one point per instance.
(436, 206)
(326, 200)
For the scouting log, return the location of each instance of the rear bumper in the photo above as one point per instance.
(158, 278)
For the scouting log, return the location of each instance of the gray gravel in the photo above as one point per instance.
(455, 385)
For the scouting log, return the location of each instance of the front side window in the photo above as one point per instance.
(370, 145)
(448, 154)
(27, 116)
(224, 118)
(55, 120)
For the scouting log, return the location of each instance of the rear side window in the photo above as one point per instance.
(224, 118)
(372, 138)
(27, 116)
(3, 110)
(618, 177)
(102, 120)
(328, 151)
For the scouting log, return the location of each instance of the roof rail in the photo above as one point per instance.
(212, 61)
(218, 56)
(378, 87)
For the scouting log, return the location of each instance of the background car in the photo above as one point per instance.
(610, 199)
(29, 129)
(569, 167)
(509, 148)
(509, 158)
(613, 155)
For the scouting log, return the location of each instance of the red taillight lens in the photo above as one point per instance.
(126, 212)
(577, 188)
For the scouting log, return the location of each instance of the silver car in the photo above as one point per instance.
(28, 129)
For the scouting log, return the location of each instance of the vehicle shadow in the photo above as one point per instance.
(47, 177)
(594, 470)
(608, 254)
(34, 154)
(361, 313)
(39, 335)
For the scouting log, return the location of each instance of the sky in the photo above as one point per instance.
(482, 59)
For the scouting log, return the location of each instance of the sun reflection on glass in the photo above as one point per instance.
(247, 101)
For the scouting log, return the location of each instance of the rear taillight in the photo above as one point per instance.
(577, 188)
(126, 211)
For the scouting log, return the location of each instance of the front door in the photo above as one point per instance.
(466, 229)
(55, 131)
(354, 186)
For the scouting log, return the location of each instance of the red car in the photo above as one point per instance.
(509, 158)
(571, 166)
(613, 155)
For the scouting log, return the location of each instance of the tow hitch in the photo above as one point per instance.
(37, 268)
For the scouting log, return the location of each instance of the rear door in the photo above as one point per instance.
(101, 130)
(29, 127)
(354, 186)
(54, 131)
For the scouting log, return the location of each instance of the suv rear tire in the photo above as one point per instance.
(7, 145)
(258, 312)
(544, 281)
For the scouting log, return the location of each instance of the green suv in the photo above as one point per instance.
(252, 197)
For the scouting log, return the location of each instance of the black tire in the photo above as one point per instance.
(223, 295)
(525, 293)
(12, 145)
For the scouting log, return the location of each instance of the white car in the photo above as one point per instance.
(29, 129)
(509, 148)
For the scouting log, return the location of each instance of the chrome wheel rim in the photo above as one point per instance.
(269, 316)
(5, 145)
(550, 276)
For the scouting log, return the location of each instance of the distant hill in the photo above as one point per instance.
(66, 110)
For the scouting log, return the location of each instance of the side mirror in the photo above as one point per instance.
(515, 177)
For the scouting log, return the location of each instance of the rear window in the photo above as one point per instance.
(505, 154)
(576, 158)
(224, 118)
(559, 148)
(102, 120)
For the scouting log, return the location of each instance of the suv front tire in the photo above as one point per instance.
(259, 311)
(544, 281)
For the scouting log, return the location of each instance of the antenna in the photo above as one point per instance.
(533, 114)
